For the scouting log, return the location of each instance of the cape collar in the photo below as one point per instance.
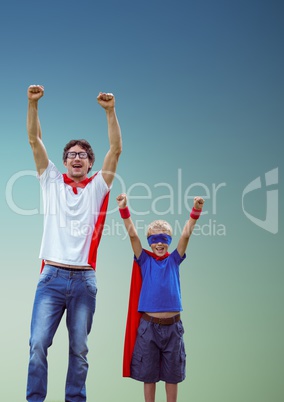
(74, 184)
(156, 257)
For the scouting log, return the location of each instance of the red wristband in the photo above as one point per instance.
(195, 213)
(124, 213)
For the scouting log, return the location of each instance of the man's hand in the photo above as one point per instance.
(35, 92)
(106, 100)
(121, 201)
(198, 202)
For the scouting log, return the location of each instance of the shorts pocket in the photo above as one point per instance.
(142, 327)
(183, 363)
(136, 364)
(180, 328)
(180, 367)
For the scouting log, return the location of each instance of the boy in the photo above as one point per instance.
(156, 352)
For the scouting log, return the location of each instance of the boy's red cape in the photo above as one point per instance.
(133, 316)
(99, 226)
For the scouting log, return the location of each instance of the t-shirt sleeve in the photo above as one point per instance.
(101, 181)
(142, 258)
(101, 188)
(177, 258)
(51, 174)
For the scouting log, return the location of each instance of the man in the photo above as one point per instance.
(74, 213)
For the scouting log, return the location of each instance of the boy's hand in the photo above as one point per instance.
(121, 200)
(198, 202)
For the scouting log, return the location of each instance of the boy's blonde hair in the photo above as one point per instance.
(159, 226)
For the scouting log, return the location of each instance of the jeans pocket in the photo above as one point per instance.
(45, 278)
(91, 286)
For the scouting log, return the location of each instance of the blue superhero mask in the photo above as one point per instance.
(159, 238)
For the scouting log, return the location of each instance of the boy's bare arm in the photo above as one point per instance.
(129, 225)
(189, 226)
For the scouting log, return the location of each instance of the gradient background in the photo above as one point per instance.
(199, 95)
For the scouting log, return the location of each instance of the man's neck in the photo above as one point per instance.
(77, 179)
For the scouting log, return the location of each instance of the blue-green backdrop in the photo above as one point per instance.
(199, 96)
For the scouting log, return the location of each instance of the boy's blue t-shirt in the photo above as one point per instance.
(160, 289)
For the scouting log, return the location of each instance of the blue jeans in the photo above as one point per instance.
(59, 290)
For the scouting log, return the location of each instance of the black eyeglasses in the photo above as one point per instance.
(72, 155)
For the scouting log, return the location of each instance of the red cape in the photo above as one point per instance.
(99, 226)
(133, 315)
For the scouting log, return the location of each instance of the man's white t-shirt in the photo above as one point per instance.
(69, 218)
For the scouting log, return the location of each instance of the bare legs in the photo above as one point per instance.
(150, 391)
(171, 391)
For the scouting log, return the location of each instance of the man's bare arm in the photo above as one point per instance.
(107, 101)
(35, 92)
